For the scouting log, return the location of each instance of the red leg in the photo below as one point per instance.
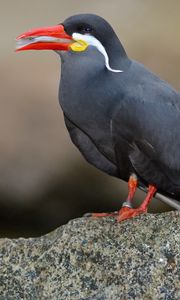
(127, 213)
(132, 186)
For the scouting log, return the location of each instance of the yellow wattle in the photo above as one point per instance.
(79, 46)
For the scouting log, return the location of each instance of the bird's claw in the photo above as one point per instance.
(101, 215)
(128, 213)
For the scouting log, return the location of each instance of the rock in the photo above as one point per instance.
(96, 259)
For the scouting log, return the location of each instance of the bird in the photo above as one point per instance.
(123, 118)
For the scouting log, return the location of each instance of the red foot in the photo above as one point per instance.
(128, 213)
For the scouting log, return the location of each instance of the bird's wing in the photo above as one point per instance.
(89, 149)
(149, 117)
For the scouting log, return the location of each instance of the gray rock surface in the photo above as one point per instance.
(96, 259)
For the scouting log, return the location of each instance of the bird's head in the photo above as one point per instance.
(75, 34)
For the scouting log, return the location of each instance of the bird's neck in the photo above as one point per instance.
(86, 89)
(87, 84)
(117, 54)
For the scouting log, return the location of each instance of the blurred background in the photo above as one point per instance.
(44, 181)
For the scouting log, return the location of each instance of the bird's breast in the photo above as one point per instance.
(87, 105)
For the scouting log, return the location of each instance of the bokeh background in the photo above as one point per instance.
(44, 181)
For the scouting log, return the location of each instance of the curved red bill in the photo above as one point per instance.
(51, 38)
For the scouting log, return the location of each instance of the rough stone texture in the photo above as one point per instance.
(96, 259)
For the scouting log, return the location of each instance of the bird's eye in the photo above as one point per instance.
(85, 29)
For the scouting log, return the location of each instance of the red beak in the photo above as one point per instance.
(45, 38)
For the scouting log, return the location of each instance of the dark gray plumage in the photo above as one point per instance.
(125, 122)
